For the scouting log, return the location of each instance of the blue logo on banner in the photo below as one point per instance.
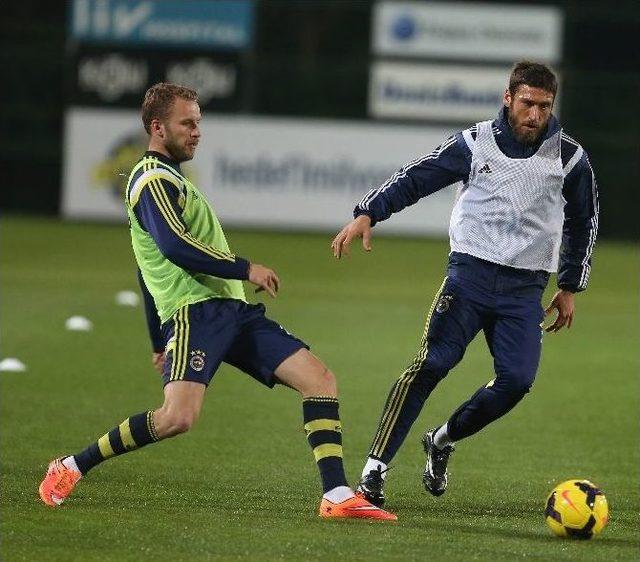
(212, 24)
(404, 28)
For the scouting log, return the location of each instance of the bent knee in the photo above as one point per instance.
(517, 386)
(170, 423)
(330, 382)
(436, 367)
(523, 388)
(324, 383)
(320, 383)
(182, 424)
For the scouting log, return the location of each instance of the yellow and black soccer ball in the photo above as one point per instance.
(576, 509)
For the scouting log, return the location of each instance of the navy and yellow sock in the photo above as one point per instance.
(133, 433)
(324, 432)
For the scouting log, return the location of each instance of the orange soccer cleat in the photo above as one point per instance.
(58, 483)
(354, 508)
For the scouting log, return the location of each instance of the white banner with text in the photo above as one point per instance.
(436, 91)
(467, 31)
(257, 172)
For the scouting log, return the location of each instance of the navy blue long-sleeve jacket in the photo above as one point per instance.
(451, 162)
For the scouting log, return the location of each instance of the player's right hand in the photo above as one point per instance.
(360, 227)
(265, 278)
(158, 361)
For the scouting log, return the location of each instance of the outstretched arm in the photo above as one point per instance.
(447, 164)
(158, 211)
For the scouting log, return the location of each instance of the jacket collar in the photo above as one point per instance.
(507, 141)
(164, 159)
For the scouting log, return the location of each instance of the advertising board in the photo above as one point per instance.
(467, 31)
(455, 93)
(267, 172)
(204, 24)
(105, 76)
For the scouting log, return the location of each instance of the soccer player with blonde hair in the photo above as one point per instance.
(199, 317)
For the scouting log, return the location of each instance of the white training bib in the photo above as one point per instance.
(511, 210)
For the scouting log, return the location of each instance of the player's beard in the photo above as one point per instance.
(178, 150)
(523, 134)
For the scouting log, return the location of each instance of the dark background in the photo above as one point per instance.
(312, 58)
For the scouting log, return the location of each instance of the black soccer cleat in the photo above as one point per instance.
(370, 487)
(435, 472)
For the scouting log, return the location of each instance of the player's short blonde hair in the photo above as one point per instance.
(159, 99)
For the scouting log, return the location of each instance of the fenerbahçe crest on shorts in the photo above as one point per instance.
(444, 302)
(197, 360)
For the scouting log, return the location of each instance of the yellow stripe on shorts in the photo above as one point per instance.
(181, 334)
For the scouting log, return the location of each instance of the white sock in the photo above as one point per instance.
(70, 463)
(339, 494)
(441, 438)
(374, 464)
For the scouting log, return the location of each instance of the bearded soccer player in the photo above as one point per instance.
(527, 207)
(199, 317)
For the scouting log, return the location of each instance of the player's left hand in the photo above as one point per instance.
(157, 359)
(265, 279)
(562, 301)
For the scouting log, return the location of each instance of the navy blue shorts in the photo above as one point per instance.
(201, 336)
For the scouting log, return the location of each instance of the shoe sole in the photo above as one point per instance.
(357, 515)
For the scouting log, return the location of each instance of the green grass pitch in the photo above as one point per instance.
(243, 484)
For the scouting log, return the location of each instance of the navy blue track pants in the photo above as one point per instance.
(503, 302)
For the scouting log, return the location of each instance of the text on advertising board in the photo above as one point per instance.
(226, 24)
(467, 31)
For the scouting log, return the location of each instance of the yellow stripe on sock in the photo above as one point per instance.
(125, 434)
(106, 450)
(322, 424)
(327, 450)
(331, 399)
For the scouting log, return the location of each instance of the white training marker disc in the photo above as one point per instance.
(127, 298)
(78, 324)
(11, 364)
